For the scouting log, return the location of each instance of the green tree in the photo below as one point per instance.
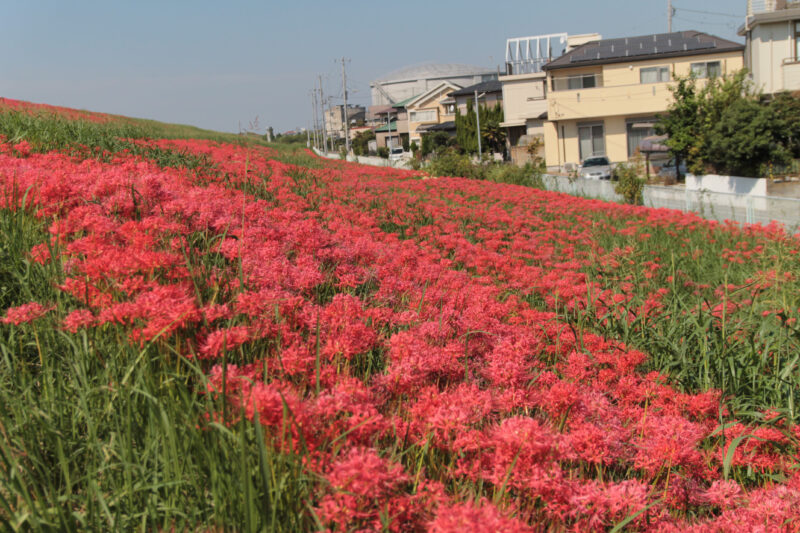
(360, 142)
(433, 142)
(493, 136)
(721, 125)
(786, 116)
(745, 138)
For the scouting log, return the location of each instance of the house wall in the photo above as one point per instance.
(621, 91)
(489, 100)
(621, 97)
(770, 57)
(524, 97)
(382, 138)
(434, 102)
(560, 150)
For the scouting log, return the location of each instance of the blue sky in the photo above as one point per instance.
(220, 64)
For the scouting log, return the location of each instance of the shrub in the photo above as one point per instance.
(529, 175)
(450, 163)
(629, 185)
(383, 152)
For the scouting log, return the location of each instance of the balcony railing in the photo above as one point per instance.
(754, 7)
(526, 66)
(580, 81)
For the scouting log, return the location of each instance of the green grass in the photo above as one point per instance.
(100, 435)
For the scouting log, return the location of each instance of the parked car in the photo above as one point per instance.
(596, 168)
(668, 170)
(396, 154)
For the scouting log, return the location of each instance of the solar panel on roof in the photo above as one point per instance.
(639, 46)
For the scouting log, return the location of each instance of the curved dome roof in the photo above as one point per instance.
(431, 71)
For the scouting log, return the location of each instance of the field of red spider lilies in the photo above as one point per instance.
(425, 354)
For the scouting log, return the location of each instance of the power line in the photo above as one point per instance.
(708, 12)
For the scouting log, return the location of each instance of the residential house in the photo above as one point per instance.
(429, 109)
(604, 96)
(772, 49)
(490, 93)
(524, 88)
(393, 130)
(334, 119)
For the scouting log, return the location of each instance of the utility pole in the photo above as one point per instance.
(324, 127)
(345, 118)
(316, 121)
(670, 12)
(389, 142)
(478, 122)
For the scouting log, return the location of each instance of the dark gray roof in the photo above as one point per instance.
(626, 49)
(450, 125)
(491, 86)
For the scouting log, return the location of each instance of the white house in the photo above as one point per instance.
(772, 51)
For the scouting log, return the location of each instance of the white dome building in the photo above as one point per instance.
(414, 80)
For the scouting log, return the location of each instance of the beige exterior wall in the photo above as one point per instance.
(431, 103)
(770, 56)
(524, 97)
(621, 97)
(489, 100)
(621, 91)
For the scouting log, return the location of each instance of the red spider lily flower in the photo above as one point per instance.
(78, 319)
(25, 313)
(481, 518)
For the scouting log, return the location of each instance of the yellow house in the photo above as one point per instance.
(604, 95)
(429, 109)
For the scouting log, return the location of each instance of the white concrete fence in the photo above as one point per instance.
(712, 197)
(365, 160)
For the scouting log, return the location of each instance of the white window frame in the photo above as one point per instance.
(796, 40)
(591, 127)
(662, 74)
(700, 70)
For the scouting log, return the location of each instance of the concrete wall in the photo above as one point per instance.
(366, 160)
(603, 190)
(727, 184)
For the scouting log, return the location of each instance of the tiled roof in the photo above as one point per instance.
(491, 86)
(404, 102)
(385, 127)
(450, 125)
(625, 49)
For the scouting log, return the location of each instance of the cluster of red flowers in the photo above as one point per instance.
(380, 323)
(65, 112)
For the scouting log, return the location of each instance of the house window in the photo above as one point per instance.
(425, 115)
(581, 81)
(638, 129)
(654, 75)
(707, 69)
(797, 40)
(591, 140)
(450, 109)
